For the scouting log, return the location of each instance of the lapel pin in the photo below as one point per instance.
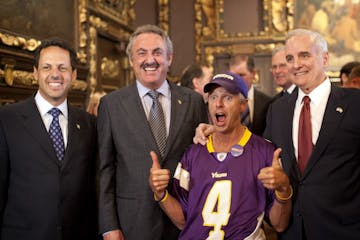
(179, 101)
(78, 126)
(339, 109)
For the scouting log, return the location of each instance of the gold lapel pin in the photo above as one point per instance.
(78, 126)
(339, 109)
(179, 101)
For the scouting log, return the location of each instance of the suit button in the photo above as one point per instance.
(298, 214)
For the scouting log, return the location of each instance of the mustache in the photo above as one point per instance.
(152, 64)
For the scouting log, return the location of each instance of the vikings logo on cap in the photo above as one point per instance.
(233, 83)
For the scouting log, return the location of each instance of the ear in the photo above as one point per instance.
(325, 59)
(195, 82)
(170, 60)
(36, 73)
(74, 75)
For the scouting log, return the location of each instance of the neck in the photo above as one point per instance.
(224, 141)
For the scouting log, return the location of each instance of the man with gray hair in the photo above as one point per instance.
(152, 114)
(280, 71)
(318, 129)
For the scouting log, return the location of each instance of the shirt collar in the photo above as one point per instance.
(320, 92)
(44, 106)
(164, 89)
(291, 89)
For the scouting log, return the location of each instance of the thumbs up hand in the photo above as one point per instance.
(274, 177)
(158, 178)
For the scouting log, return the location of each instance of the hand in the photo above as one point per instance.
(202, 132)
(114, 235)
(274, 177)
(159, 178)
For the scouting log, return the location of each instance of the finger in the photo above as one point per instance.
(276, 159)
(154, 157)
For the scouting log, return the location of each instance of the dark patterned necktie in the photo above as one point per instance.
(157, 122)
(56, 134)
(305, 144)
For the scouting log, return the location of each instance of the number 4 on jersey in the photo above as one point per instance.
(216, 210)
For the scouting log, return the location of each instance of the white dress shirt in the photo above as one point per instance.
(318, 101)
(164, 99)
(44, 106)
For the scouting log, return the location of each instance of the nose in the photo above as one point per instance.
(149, 58)
(219, 102)
(296, 62)
(55, 74)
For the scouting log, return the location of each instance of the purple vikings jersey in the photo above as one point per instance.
(220, 194)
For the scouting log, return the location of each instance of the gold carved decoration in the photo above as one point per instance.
(110, 68)
(82, 55)
(25, 78)
(13, 41)
(120, 11)
(163, 14)
(211, 38)
(92, 58)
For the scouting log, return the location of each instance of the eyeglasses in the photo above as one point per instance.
(281, 66)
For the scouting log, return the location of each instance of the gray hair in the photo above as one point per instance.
(278, 48)
(316, 38)
(150, 29)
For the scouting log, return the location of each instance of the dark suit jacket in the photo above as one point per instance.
(327, 197)
(125, 140)
(261, 104)
(41, 198)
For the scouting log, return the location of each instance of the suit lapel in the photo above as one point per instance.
(33, 123)
(334, 112)
(179, 105)
(136, 115)
(74, 137)
(288, 126)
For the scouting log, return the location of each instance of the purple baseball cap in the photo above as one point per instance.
(233, 83)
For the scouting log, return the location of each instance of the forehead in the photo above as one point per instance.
(241, 67)
(148, 41)
(54, 53)
(217, 89)
(279, 57)
(299, 43)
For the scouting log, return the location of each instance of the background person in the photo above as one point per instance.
(196, 76)
(255, 117)
(280, 72)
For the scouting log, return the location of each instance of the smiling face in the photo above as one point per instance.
(54, 74)
(280, 70)
(225, 109)
(306, 62)
(150, 59)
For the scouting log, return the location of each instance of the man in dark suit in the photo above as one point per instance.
(127, 209)
(327, 182)
(258, 102)
(280, 72)
(47, 187)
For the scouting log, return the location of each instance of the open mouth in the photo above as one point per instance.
(220, 118)
(150, 67)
